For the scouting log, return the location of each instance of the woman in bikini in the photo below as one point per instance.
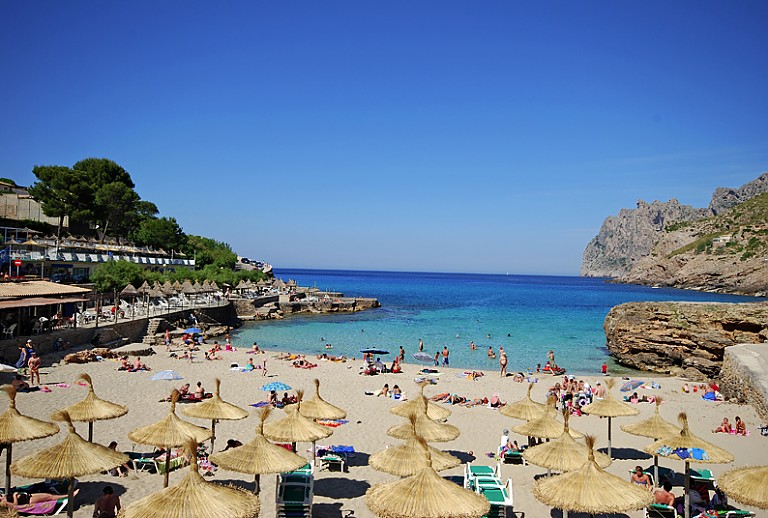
(21, 499)
(642, 479)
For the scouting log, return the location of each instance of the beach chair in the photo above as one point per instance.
(511, 457)
(499, 495)
(660, 511)
(470, 472)
(49, 508)
(705, 477)
(294, 493)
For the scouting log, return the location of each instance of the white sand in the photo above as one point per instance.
(368, 421)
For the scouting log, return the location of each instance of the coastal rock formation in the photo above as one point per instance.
(630, 236)
(682, 338)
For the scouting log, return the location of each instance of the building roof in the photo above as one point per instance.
(14, 290)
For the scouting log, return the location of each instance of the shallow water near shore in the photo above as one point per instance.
(527, 315)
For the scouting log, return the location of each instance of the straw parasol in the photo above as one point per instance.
(73, 457)
(130, 291)
(193, 496)
(214, 409)
(748, 485)
(92, 408)
(413, 407)
(412, 456)
(15, 427)
(259, 457)
(169, 432)
(563, 453)
(589, 489)
(144, 288)
(426, 495)
(609, 407)
(655, 428)
(429, 430)
(526, 409)
(683, 441)
(295, 427)
(318, 408)
(545, 427)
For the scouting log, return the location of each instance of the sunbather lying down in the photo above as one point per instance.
(19, 499)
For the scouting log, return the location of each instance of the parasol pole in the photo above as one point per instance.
(656, 469)
(314, 454)
(8, 455)
(167, 466)
(609, 437)
(71, 497)
(687, 489)
(213, 433)
(90, 431)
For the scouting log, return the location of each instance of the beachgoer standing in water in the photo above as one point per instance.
(437, 358)
(604, 369)
(502, 362)
(445, 355)
(472, 345)
(421, 345)
(551, 358)
(402, 354)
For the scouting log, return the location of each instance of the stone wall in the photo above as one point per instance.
(742, 376)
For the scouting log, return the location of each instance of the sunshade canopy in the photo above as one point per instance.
(415, 406)
(15, 427)
(526, 409)
(748, 485)
(654, 427)
(430, 430)
(93, 408)
(563, 453)
(411, 457)
(215, 408)
(609, 406)
(545, 427)
(318, 408)
(673, 446)
(295, 427)
(170, 431)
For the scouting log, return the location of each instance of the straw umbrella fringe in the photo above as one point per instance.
(296, 428)
(526, 409)
(214, 409)
(655, 428)
(545, 427)
(93, 408)
(73, 457)
(169, 432)
(258, 457)
(430, 430)
(318, 408)
(748, 485)
(15, 427)
(589, 489)
(413, 406)
(193, 496)
(609, 407)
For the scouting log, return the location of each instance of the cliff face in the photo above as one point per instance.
(629, 245)
(683, 339)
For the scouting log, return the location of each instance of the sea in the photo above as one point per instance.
(528, 315)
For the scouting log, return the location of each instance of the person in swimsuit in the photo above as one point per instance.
(108, 505)
(642, 479)
(502, 362)
(20, 499)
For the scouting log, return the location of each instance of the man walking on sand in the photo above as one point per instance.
(34, 369)
(445, 355)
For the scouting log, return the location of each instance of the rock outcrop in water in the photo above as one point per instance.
(624, 240)
(682, 338)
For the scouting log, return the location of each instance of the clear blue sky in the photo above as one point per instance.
(427, 136)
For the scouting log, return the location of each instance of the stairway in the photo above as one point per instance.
(149, 337)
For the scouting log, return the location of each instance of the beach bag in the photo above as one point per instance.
(764, 430)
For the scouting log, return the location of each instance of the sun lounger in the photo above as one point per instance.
(471, 471)
(294, 493)
(157, 464)
(49, 508)
(660, 511)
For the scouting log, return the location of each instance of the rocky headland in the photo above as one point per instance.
(682, 338)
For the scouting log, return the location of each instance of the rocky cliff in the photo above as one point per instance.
(630, 236)
(680, 338)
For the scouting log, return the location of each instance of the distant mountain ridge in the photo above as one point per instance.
(625, 247)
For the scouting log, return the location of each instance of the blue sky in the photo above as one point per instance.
(426, 136)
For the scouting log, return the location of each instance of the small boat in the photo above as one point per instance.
(557, 371)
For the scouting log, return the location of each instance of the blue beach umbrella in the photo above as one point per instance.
(193, 331)
(166, 375)
(276, 386)
(423, 357)
(630, 385)
(374, 350)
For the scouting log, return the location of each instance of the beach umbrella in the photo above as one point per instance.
(318, 408)
(426, 495)
(563, 453)
(544, 427)
(414, 406)
(526, 409)
(296, 428)
(631, 385)
(655, 428)
(176, 286)
(169, 432)
(167, 375)
(194, 496)
(214, 286)
(276, 386)
(130, 291)
(258, 457)
(687, 447)
(589, 489)
(73, 457)
(374, 350)
(15, 427)
(429, 430)
(7, 368)
(609, 407)
(145, 287)
(168, 288)
(748, 485)
(423, 357)
(92, 408)
(411, 456)
(193, 330)
(215, 409)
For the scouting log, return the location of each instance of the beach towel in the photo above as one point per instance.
(709, 396)
(333, 423)
(39, 508)
(260, 404)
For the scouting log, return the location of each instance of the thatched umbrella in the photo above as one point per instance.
(92, 408)
(258, 457)
(176, 286)
(169, 432)
(682, 441)
(73, 457)
(215, 409)
(15, 427)
(655, 428)
(526, 409)
(130, 291)
(589, 489)
(193, 496)
(145, 287)
(430, 430)
(296, 428)
(426, 495)
(318, 408)
(544, 427)
(609, 407)
(748, 485)
(411, 457)
(414, 407)
(563, 453)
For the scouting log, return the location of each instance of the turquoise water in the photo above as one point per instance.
(528, 315)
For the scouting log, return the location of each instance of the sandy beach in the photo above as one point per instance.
(368, 416)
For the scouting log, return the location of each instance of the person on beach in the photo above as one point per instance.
(502, 362)
(740, 428)
(551, 359)
(384, 391)
(402, 354)
(445, 356)
(421, 345)
(437, 358)
(272, 397)
(642, 479)
(396, 392)
(184, 390)
(199, 391)
(167, 340)
(120, 471)
(139, 366)
(19, 384)
(34, 368)
(264, 367)
(108, 504)
(725, 427)
(491, 354)
(664, 495)
(599, 392)
(19, 498)
(604, 369)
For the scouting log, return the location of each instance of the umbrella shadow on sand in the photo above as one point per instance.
(91, 491)
(358, 459)
(340, 488)
(626, 453)
(332, 511)
(463, 456)
(557, 513)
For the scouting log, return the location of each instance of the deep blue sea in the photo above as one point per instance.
(527, 314)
